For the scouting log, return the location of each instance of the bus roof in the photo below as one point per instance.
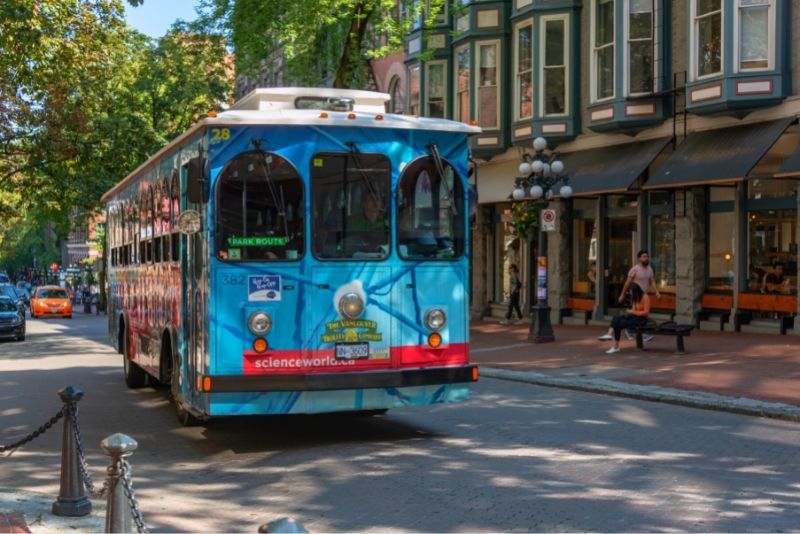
(320, 107)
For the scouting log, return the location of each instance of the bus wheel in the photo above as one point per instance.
(135, 377)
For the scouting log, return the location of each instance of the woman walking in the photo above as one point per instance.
(632, 317)
(514, 288)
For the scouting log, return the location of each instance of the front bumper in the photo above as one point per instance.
(394, 378)
(12, 331)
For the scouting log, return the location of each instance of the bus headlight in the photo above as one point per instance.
(435, 319)
(259, 323)
(351, 305)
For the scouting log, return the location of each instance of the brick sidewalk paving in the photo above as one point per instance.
(763, 367)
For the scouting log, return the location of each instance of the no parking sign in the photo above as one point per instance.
(549, 220)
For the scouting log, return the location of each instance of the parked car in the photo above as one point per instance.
(51, 301)
(11, 292)
(12, 320)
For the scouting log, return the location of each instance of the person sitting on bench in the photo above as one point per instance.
(632, 317)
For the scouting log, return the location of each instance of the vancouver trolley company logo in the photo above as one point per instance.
(265, 287)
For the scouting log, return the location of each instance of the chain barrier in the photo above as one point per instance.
(125, 477)
(36, 433)
(83, 466)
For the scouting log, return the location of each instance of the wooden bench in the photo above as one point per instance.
(715, 303)
(579, 304)
(666, 328)
(664, 303)
(747, 303)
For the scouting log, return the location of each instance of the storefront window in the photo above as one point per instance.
(662, 239)
(508, 252)
(721, 239)
(772, 234)
(584, 247)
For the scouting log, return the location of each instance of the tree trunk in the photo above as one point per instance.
(353, 44)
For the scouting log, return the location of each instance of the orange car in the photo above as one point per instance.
(51, 301)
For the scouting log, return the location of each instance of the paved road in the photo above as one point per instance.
(517, 457)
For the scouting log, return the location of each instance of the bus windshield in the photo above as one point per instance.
(260, 209)
(350, 195)
(430, 212)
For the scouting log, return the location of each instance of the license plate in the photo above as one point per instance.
(53, 310)
(352, 351)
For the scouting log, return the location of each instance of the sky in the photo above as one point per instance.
(154, 17)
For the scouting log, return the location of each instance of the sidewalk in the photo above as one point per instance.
(757, 374)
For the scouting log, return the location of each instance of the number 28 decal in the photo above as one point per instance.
(220, 134)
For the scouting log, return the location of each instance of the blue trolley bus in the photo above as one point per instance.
(300, 252)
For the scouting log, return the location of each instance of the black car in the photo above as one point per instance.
(12, 319)
(11, 292)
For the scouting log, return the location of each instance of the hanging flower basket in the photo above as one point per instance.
(525, 218)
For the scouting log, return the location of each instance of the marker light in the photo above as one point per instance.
(379, 117)
(435, 339)
(474, 374)
(351, 115)
(323, 115)
(259, 323)
(351, 305)
(206, 383)
(260, 345)
(435, 319)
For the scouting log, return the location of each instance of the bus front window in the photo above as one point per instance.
(430, 212)
(260, 209)
(349, 201)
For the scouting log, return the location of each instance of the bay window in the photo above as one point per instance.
(555, 51)
(413, 90)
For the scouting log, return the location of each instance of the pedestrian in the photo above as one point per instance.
(514, 290)
(631, 317)
(642, 275)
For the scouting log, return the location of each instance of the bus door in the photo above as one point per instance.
(195, 286)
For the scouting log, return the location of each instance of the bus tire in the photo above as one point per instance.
(135, 376)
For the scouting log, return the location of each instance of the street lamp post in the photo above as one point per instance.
(539, 173)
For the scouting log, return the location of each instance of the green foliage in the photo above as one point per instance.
(525, 217)
(84, 102)
(315, 41)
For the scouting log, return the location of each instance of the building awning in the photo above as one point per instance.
(721, 155)
(790, 167)
(610, 169)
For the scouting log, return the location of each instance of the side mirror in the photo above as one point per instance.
(196, 180)
(189, 222)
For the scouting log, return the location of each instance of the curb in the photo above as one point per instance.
(708, 401)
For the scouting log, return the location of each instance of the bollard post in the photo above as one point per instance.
(283, 525)
(118, 509)
(72, 501)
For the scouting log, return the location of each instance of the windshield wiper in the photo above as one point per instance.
(364, 178)
(276, 199)
(437, 160)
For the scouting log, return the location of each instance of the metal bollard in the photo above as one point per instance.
(118, 509)
(283, 525)
(72, 501)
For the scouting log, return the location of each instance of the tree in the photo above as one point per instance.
(316, 40)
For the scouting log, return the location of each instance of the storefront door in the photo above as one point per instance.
(620, 256)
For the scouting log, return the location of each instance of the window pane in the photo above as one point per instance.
(554, 43)
(462, 85)
(662, 253)
(487, 93)
(260, 209)
(413, 90)
(350, 195)
(707, 6)
(555, 91)
(604, 31)
(772, 239)
(584, 248)
(430, 212)
(641, 22)
(709, 31)
(754, 38)
(641, 63)
(721, 250)
(524, 72)
(605, 72)
(436, 90)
